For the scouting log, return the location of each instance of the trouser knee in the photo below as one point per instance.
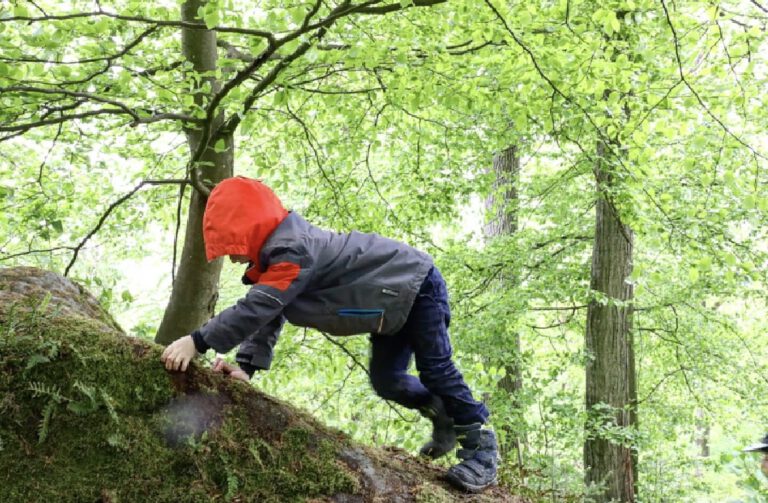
(387, 387)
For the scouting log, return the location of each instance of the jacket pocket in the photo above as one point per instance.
(360, 313)
(371, 319)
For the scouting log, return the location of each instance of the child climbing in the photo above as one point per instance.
(342, 284)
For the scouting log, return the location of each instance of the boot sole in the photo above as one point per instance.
(472, 488)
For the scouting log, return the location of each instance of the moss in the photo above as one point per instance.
(430, 493)
(297, 466)
(89, 415)
(85, 415)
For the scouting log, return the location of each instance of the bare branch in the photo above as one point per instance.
(63, 118)
(762, 8)
(558, 308)
(386, 9)
(32, 252)
(109, 58)
(157, 22)
(360, 365)
(76, 94)
(137, 119)
(109, 210)
(45, 159)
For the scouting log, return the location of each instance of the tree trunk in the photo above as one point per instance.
(195, 289)
(610, 368)
(503, 205)
(701, 439)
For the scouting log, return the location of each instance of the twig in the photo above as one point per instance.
(30, 252)
(365, 369)
(695, 93)
(139, 19)
(109, 210)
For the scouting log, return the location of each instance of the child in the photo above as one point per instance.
(342, 284)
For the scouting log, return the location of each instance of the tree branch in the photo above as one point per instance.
(363, 367)
(30, 252)
(386, 9)
(109, 58)
(346, 8)
(22, 128)
(109, 210)
(157, 22)
(695, 93)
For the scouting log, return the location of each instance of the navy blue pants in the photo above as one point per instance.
(425, 336)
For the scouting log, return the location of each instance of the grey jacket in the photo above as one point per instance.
(345, 284)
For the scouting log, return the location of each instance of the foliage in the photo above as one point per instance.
(388, 124)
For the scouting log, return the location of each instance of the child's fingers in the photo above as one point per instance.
(170, 360)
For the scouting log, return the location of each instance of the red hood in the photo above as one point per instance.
(240, 215)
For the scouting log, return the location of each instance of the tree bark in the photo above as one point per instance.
(610, 368)
(195, 289)
(503, 205)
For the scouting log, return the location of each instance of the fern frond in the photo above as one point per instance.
(45, 422)
(110, 403)
(50, 390)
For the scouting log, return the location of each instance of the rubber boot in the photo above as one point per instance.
(479, 456)
(443, 435)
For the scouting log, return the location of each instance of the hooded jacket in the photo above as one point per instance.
(339, 283)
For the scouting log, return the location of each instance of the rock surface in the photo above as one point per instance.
(89, 414)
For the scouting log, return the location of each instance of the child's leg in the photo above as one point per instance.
(427, 331)
(390, 355)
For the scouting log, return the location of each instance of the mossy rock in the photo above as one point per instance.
(88, 414)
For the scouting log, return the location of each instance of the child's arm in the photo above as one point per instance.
(287, 275)
(255, 353)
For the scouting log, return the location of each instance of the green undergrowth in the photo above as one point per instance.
(89, 416)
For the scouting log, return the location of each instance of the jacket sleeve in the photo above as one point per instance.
(288, 273)
(255, 353)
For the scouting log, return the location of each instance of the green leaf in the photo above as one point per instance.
(20, 10)
(57, 226)
(34, 360)
(211, 17)
(280, 98)
(220, 146)
(297, 14)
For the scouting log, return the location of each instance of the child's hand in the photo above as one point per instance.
(178, 355)
(220, 366)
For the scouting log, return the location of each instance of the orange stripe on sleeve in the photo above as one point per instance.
(280, 275)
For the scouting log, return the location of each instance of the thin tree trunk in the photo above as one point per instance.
(701, 438)
(503, 204)
(610, 368)
(195, 289)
